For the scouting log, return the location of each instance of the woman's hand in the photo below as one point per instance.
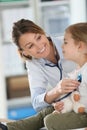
(63, 87)
(67, 85)
(58, 106)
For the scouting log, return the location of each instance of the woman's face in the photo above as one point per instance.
(36, 45)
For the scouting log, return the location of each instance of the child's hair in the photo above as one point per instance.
(78, 31)
(21, 27)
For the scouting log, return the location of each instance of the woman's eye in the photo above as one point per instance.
(39, 37)
(30, 46)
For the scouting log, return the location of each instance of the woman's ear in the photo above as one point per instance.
(23, 56)
(20, 52)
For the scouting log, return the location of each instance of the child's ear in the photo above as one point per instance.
(80, 44)
(82, 47)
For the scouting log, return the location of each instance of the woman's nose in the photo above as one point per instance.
(39, 46)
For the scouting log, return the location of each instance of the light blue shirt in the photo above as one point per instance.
(43, 76)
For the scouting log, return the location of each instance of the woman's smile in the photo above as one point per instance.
(42, 50)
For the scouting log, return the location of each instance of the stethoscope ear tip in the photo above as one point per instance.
(79, 78)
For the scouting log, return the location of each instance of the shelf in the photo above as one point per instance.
(14, 4)
(53, 3)
(19, 102)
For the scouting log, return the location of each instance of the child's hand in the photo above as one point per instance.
(58, 106)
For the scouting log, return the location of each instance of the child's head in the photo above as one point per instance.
(75, 43)
(78, 31)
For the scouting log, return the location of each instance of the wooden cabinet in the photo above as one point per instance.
(17, 86)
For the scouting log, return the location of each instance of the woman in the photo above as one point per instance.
(46, 67)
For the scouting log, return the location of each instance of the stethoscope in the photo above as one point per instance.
(79, 78)
(58, 65)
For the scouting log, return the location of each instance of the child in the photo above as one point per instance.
(74, 48)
